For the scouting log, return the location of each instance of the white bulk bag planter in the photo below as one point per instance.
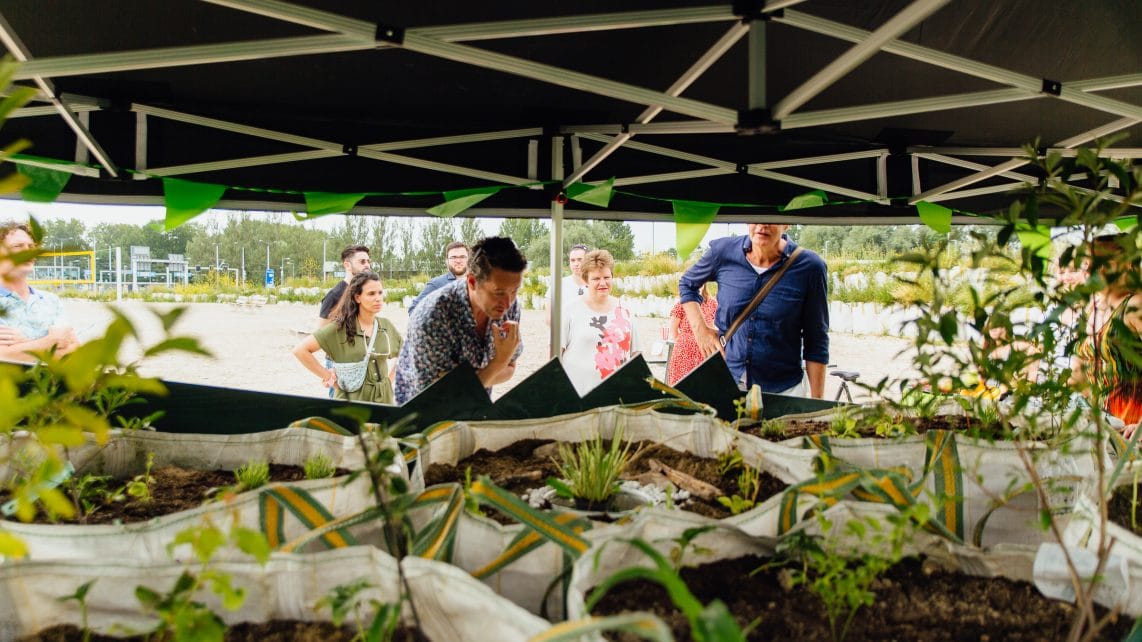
(452, 606)
(481, 541)
(281, 511)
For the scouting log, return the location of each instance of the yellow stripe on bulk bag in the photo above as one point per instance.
(323, 425)
(526, 542)
(514, 507)
(304, 507)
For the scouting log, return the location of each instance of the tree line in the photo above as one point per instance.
(399, 245)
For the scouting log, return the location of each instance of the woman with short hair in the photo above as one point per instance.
(598, 331)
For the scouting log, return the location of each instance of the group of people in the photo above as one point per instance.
(770, 320)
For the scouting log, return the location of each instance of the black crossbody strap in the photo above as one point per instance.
(761, 294)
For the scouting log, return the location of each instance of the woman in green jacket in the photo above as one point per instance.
(356, 328)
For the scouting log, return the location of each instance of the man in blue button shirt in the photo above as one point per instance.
(790, 326)
(456, 259)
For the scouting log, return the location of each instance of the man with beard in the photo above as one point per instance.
(456, 260)
(472, 320)
(355, 260)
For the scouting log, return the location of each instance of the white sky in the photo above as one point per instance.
(648, 237)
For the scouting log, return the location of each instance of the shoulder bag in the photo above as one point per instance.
(757, 298)
(351, 376)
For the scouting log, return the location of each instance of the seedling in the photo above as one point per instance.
(80, 596)
(253, 474)
(729, 461)
(749, 485)
(347, 598)
(844, 424)
(319, 466)
(140, 485)
(89, 493)
(591, 469)
(773, 428)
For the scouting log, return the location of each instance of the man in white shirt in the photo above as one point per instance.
(31, 320)
(574, 286)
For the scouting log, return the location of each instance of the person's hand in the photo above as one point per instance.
(11, 336)
(708, 341)
(505, 339)
(330, 379)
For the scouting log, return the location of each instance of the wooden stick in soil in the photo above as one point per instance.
(696, 486)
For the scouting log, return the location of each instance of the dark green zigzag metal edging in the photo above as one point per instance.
(457, 396)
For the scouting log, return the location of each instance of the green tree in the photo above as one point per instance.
(65, 236)
(469, 231)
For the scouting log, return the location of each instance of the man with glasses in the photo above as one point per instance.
(456, 260)
(472, 320)
(574, 285)
(31, 320)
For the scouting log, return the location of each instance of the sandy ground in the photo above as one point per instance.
(251, 347)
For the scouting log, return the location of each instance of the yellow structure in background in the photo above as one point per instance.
(47, 262)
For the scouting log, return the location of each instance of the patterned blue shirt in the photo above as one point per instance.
(441, 335)
(430, 287)
(33, 317)
(790, 325)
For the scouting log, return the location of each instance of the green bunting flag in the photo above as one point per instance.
(937, 217)
(1126, 223)
(324, 203)
(1037, 239)
(816, 198)
(44, 185)
(599, 195)
(691, 220)
(459, 200)
(187, 199)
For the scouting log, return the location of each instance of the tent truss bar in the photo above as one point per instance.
(252, 161)
(78, 170)
(577, 24)
(566, 78)
(1013, 163)
(30, 112)
(806, 182)
(672, 176)
(712, 55)
(20, 52)
(959, 64)
(905, 107)
(1106, 152)
(325, 145)
(896, 26)
(1109, 82)
(361, 30)
(979, 191)
(957, 162)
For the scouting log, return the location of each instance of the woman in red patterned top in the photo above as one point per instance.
(686, 354)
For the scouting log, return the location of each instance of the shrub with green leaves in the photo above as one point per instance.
(591, 468)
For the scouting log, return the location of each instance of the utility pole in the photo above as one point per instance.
(323, 259)
(216, 262)
(243, 266)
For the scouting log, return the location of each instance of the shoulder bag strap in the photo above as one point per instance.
(761, 294)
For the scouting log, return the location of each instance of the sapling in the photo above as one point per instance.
(139, 487)
(346, 598)
(319, 466)
(80, 597)
(253, 474)
(591, 468)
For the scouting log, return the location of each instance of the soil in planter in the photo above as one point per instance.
(173, 489)
(914, 601)
(1123, 511)
(805, 427)
(519, 470)
(273, 631)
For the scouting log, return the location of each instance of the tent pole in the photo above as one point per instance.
(556, 289)
(757, 65)
(712, 55)
(899, 24)
(577, 24)
(1013, 163)
(1112, 152)
(672, 176)
(905, 107)
(30, 112)
(140, 144)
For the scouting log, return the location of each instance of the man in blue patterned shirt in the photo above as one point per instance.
(30, 320)
(472, 320)
(788, 329)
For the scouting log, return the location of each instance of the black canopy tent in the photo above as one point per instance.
(879, 104)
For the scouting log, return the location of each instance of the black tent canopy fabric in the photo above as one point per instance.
(879, 104)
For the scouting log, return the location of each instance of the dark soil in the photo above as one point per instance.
(913, 602)
(173, 489)
(275, 631)
(1122, 510)
(805, 427)
(518, 470)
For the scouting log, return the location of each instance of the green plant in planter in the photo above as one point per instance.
(89, 493)
(253, 474)
(139, 487)
(80, 597)
(319, 466)
(845, 423)
(592, 469)
(346, 598)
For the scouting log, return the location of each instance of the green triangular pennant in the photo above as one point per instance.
(816, 198)
(599, 195)
(1036, 239)
(323, 203)
(459, 200)
(691, 220)
(44, 185)
(937, 217)
(187, 199)
(1126, 223)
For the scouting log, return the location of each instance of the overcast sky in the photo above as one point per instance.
(647, 236)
